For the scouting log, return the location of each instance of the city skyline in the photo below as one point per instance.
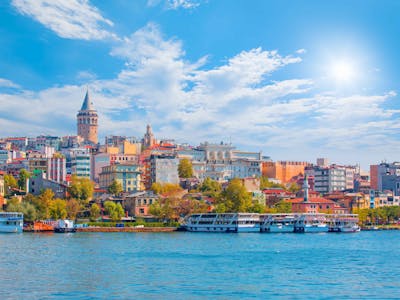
(319, 83)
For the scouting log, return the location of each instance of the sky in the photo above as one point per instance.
(294, 79)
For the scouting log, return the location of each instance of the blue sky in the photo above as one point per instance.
(295, 79)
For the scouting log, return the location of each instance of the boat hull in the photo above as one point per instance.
(280, 229)
(10, 229)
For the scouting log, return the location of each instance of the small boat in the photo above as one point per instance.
(11, 222)
(344, 223)
(44, 225)
(65, 226)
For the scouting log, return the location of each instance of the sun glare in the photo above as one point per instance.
(342, 71)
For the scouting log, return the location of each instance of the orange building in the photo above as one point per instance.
(283, 170)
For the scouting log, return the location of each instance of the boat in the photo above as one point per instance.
(282, 223)
(65, 226)
(222, 222)
(310, 222)
(344, 223)
(11, 221)
(44, 225)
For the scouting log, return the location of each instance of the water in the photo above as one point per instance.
(186, 265)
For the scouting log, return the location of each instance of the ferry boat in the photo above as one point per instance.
(283, 223)
(344, 223)
(65, 226)
(11, 221)
(311, 223)
(223, 222)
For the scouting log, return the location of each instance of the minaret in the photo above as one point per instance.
(87, 121)
(305, 188)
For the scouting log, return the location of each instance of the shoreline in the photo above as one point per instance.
(127, 229)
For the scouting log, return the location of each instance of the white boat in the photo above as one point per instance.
(344, 223)
(281, 223)
(65, 226)
(11, 221)
(311, 223)
(223, 222)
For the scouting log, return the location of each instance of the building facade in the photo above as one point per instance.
(126, 174)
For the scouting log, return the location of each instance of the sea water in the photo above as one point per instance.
(185, 265)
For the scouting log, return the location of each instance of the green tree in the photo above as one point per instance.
(283, 207)
(266, 184)
(115, 211)
(81, 189)
(294, 187)
(210, 187)
(235, 197)
(94, 212)
(58, 209)
(185, 168)
(9, 182)
(257, 208)
(23, 177)
(14, 205)
(73, 208)
(115, 188)
(29, 211)
(42, 203)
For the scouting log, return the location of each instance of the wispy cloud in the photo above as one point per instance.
(72, 19)
(176, 4)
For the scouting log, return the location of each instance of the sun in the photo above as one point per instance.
(342, 71)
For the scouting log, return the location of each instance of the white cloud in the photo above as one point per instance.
(191, 102)
(301, 51)
(72, 19)
(175, 4)
(5, 83)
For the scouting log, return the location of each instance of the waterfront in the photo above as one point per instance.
(184, 265)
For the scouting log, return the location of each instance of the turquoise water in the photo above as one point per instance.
(186, 265)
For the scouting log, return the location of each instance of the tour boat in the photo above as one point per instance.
(277, 222)
(344, 223)
(223, 222)
(311, 223)
(65, 226)
(11, 221)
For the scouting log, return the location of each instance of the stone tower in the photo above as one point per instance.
(87, 121)
(148, 139)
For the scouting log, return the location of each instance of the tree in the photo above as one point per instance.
(115, 211)
(168, 189)
(29, 211)
(94, 212)
(257, 208)
(73, 208)
(185, 168)
(81, 189)
(115, 188)
(42, 203)
(14, 205)
(58, 209)
(235, 197)
(294, 188)
(9, 182)
(283, 207)
(23, 177)
(266, 184)
(210, 187)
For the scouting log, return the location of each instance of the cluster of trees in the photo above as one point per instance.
(46, 206)
(380, 215)
(234, 198)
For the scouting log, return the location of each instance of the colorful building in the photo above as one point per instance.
(283, 170)
(126, 174)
